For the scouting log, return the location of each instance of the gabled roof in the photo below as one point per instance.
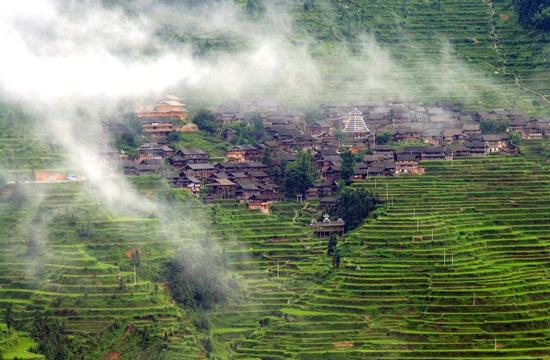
(495, 137)
(320, 123)
(258, 174)
(192, 151)
(405, 157)
(223, 182)
(243, 148)
(204, 166)
(470, 127)
(247, 185)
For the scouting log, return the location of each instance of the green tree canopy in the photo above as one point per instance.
(300, 175)
(534, 13)
(353, 206)
(348, 166)
(493, 126)
(383, 138)
(206, 121)
(52, 338)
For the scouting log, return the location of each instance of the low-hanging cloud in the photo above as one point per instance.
(64, 58)
(55, 49)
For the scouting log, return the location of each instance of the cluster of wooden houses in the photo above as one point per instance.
(239, 177)
(356, 126)
(444, 131)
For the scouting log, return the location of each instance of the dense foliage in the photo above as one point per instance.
(52, 338)
(206, 121)
(383, 138)
(353, 206)
(300, 174)
(196, 280)
(493, 126)
(534, 13)
(348, 166)
(252, 133)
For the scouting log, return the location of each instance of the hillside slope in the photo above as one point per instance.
(455, 266)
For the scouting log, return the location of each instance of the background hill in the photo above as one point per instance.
(473, 284)
(473, 51)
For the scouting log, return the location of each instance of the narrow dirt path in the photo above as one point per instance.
(501, 58)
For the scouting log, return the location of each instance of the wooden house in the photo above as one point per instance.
(242, 153)
(407, 164)
(495, 142)
(183, 157)
(157, 128)
(260, 202)
(327, 228)
(319, 127)
(222, 189)
(199, 170)
(168, 107)
(384, 150)
(150, 151)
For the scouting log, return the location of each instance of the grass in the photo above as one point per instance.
(480, 228)
(200, 140)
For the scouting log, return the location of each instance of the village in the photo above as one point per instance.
(389, 140)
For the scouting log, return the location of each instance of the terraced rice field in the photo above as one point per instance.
(84, 276)
(454, 266)
(272, 255)
(16, 345)
(469, 50)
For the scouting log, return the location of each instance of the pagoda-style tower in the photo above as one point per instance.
(355, 125)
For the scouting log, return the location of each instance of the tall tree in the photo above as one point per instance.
(353, 206)
(300, 175)
(258, 128)
(9, 320)
(206, 121)
(51, 337)
(135, 258)
(534, 13)
(332, 244)
(348, 166)
(383, 138)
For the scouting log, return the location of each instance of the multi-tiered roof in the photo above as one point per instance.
(356, 123)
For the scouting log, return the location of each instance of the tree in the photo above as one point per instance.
(338, 135)
(534, 13)
(300, 175)
(135, 259)
(51, 337)
(206, 121)
(383, 138)
(515, 138)
(127, 134)
(309, 4)
(493, 126)
(196, 280)
(348, 166)
(258, 128)
(255, 7)
(336, 259)
(9, 320)
(353, 206)
(332, 244)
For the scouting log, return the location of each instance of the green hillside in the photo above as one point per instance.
(456, 267)
(471, 51)
(454, 264)
(438, 273)
(496, 56)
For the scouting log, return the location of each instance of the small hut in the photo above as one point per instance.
(327, 227)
